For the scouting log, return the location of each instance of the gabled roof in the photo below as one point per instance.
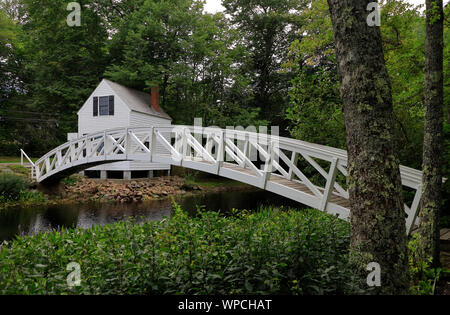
(136, 100)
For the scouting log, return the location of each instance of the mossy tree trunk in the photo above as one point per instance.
(433, 134)
(377, 214)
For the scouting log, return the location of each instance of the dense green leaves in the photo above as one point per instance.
(11, 186)
(265, 252)
(267, 28)
(55, 66)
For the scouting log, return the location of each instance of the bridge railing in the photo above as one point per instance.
(258, 159)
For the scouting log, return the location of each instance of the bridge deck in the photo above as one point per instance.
(341, 201)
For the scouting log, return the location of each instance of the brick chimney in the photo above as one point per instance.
(154, 98)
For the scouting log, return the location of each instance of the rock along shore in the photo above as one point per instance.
(138, 190)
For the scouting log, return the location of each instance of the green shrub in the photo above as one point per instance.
(11, 186)
(423, 277)
(268, 252)
(32, 195)
(71, 180)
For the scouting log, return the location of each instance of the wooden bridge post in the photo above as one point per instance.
(47, 164)
(37, 171)
(152, 144)
(184, 147)
(414, 210)
(246, 150)
(58, 158)
(221, 152)
(105, 145)
(329, 185)
(89, 146)
(127, 140)
(268, 165)
(294, 159)
(209, 142)
(72, 152)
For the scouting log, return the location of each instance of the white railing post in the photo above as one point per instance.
(412, 215)
(268, 165)
(209, 142)
(106, 146)
(37, 172)
(59, 158)
(151, 143)
(246, 150)
(294, 159)
(329, 185)
(127, 146)
(221, 152)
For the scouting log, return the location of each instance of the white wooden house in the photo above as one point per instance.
(112, 105)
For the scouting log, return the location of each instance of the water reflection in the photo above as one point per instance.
(37, 219)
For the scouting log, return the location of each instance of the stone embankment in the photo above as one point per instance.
(128, 191)
(142, 189)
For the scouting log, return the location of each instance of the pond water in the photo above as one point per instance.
(36, 219)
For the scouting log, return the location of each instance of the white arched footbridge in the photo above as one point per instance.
(311, 174)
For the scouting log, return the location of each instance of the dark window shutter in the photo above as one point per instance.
(111, 105)
(95, 106)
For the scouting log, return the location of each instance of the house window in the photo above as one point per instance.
(103, 106)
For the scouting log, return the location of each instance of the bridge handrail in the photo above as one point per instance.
(410, 177)
(22, 154)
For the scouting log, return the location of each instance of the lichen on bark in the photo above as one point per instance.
(428, 245)
(376, 205)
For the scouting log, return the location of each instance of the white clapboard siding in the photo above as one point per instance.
(87, 123)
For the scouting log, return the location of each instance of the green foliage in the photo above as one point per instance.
(71, 180)
(423, 277)
(11, 186)
(271, 251)
(189, 54)
(266, 28)
(403, 31)
(32, 196)
(51, 69)
(316, 111)
(312, 57)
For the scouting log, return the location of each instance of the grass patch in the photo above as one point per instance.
(15, 159)
(267, 252)
(19, 169)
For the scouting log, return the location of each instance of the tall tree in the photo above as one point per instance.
(433, 136)
(377, 216)
(267, 27)
(66, 62)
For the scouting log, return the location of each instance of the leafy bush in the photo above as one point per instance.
(11, 186)
(71, 180)
(271, 251)
(423, 277)
(32, 195)
(8, 148)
